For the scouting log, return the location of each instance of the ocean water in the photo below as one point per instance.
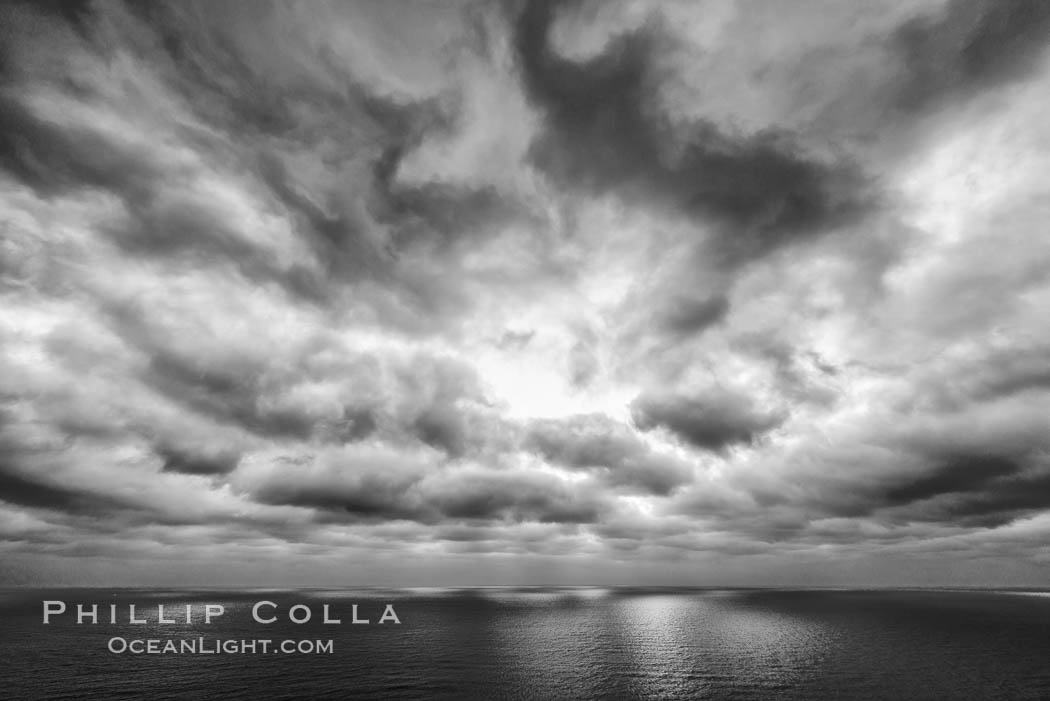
(544, 643)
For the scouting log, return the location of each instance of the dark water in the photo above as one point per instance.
(547, 644)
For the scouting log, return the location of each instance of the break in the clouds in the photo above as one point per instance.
(468, 292)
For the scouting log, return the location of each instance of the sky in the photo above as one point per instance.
(450, 293)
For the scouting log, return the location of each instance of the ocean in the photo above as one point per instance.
(533, 643)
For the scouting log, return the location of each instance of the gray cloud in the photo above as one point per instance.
(603, 286)
(618, 456)
(687, 316)
(604, 133)
(26, 491)
(968, 47)
(197, 463)
(712, 421)
(379, 483)
(518, 495)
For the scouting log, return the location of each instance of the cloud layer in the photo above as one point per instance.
(530, 292)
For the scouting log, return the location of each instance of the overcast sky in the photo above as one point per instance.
(432, 293)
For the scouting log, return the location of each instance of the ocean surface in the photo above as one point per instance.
(540, 643)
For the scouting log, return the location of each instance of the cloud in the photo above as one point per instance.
(372, 482)
(610, 449)
(690, 316)
(22, 490)
(713, 421)
(514, 495)
(176, 460)
(968, 47)
(362, 481)
(959, 475)
(504, 291)
(604, 132)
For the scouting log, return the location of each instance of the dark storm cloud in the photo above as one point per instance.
(340, 237)
(418, 397)
(514, 496)
(1018, 379)
(711, 422)
(357, 220)
(78, 478)
(73, 11)
(196, 462)
(227, 394)
(206, 49)
(25, 490)
(687, 316)
(965, 474)
(1000, 502)
(610, 449)
(54, 158)
(604, 133)
(363, 218)
(374, 484)
(173, 228)
(441, 428)
(885, 488)
(983, 490)
(51, 158)
(435, 213)
(969, 46)
(27, 479)
(995, 374)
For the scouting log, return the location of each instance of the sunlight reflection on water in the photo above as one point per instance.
(557, 643)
